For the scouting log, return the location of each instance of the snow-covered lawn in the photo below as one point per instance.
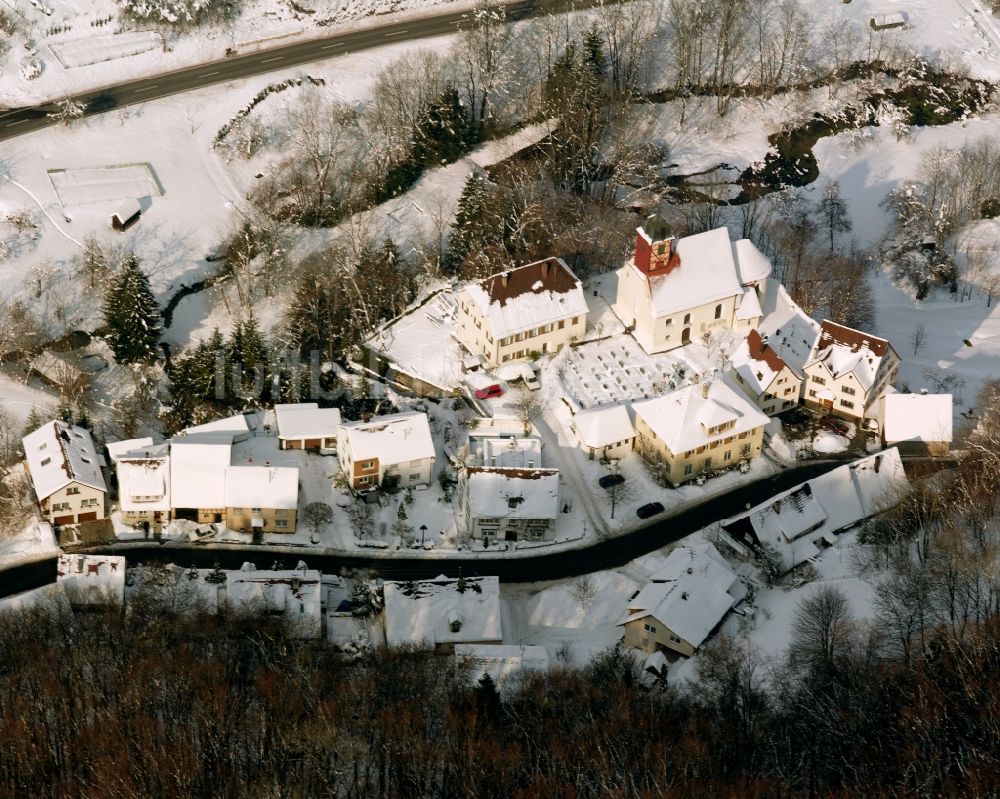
(112, 46)
(828, 443)
(35, 541)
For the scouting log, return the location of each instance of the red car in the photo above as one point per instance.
(834, 425)
(489, 392)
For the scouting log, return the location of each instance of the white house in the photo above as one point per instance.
(515, 452)
(262, 499)
(917, 424)
(92, 581)
(198, 463)
(116, 448)
(699, 429)
(537, 308)
(683, 602)
(236, 424)
(143, 483)
(65, 471)
(847, 371)
(674, 291)
(305, 425)
(605, 432)
(398, 443)
(509, 504)
(793, 525)
(787, 329)
(443, 612)
(764, 376)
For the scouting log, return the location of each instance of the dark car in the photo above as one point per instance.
(834, 425)
(650, 509)
(489, 392)
(611, 480)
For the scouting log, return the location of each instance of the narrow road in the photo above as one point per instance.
(605, 554)
(17, 121)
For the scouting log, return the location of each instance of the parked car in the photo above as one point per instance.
(489, 392)
(834, 425)
(531, 380)
(650, 509)
(611, 480)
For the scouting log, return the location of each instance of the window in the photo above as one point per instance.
(708, 463)
(42, 446)
(746, 449)
(46, 461)
(714, 444)
(255, 510)
(414, 476)
(281, 512)
(674, 639)
(367, 464)
(281, 522)
(718, 311)
(649, 628)
(668, 323)
(847, 403)
(687, 318)
(72, 490)
(727, 455)
(575, 320)
(688, 468)
(847, 390)
(744, 434)
(818, 379)
(364, 480)
(812, 392)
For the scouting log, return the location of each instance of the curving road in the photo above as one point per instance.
(18, 121)
(605, 554)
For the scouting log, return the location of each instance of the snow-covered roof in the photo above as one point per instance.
(505, 452)
(54, 368)
(844, 349)
(306, 420)
(690, 595)
(262, 487)
(92, 579)
(530, 296)
(706, 272)
(917, 417)
(59, 454)
(500, 660)
(198, 464)
(394, 438)
(604, 425)
(127, 210)
(443, 610)
(677, 418)
(787, 328)
(751, 264)
(118, 448)
(756, 362)
(144, 484)
(293, 593)
(230, 424)
(794, 521)
(749, 307)
(513, 493)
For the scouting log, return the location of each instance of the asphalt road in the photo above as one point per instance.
(566, 563)
(18, 121)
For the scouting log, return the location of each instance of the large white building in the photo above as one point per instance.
(537, 308)
(397, 443)
(674, 291)
(847, 371)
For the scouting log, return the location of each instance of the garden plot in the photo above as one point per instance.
(103, 183)
(95, 49)
(615, 370)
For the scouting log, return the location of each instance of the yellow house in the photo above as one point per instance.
(682, 603)
(699, 429)
(674, 291)
(537, 308)
(66, 473)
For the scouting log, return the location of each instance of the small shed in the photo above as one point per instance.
(881, 22)
(128, 214)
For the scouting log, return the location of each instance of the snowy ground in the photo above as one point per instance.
(35, 541)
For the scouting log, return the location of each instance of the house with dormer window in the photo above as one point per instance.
(699, 429)
(765, 378)
(66, 473)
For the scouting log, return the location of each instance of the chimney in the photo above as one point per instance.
(878, 463)
(504, 279)
(545, 270)
(684, 596)
(704, 390)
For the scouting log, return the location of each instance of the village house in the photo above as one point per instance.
(532, 310)
(605, 432)
(847, 371)
(791, 527)
(764, 376)
(143, 484)
(305, 425)
(92, 581)
(396, 444)
(65, 472)
(443, 612)
(699, 429)
(674, 291)
(198, 463)
(509, 504)
(262, 499)
(682, 603)
(916, 424)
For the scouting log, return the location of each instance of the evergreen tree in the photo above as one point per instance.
(131, 313)
(248, 349)
(593, 52)
(472, 220)
(33, 422)
(832, 212)
(446, 131)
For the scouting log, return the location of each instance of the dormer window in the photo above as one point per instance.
(46, 461)
(42, 446)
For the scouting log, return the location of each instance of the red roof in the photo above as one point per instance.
(832, 333)
(760, 351)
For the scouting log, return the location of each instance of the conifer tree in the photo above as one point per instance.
(832, 212)
(33, 422)
(472, 220)
(593, 52)
(446, 131)
(131, 313)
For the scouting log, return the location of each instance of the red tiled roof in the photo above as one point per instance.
(760, 351)
(552, 273)
(832, 333)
